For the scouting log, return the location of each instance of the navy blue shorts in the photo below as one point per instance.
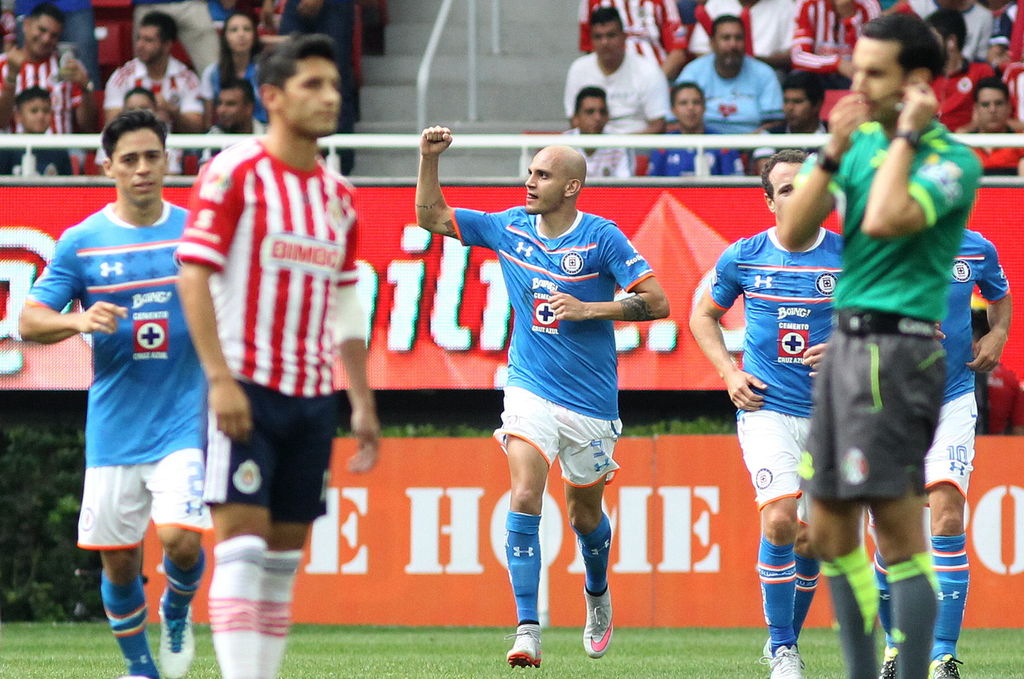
(284, 465)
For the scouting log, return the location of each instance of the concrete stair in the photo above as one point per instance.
(518, 90)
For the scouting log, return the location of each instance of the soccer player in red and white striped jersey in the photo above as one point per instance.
(35, 64)
(825, 32)
(268, 288)
(653, 29)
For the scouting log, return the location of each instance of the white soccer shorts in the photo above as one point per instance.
(118, 501)
(951, 457)
(772, 445)
(583, 445)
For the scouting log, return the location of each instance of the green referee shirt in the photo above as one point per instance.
(908, 275)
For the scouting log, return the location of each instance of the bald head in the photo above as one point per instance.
(564, 161)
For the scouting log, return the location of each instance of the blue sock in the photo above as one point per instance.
(776, 567)
(595, 547)
(522, 548)
(884, 597)
(949, 553)
(126, 611)
(181, 587)
(807, 570)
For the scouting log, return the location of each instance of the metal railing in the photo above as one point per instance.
(525, 144)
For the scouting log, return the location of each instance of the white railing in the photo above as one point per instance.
(525, 144)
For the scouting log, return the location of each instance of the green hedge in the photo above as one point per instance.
(43, 574)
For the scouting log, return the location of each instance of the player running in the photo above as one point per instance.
(144, 429)
(561, 267)
(788, 309)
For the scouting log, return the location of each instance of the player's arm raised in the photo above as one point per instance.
(40, 323)
(432, 212)
(647, 303)
(705, 327)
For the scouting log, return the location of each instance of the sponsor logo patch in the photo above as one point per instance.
(151, 336)
(794, 338)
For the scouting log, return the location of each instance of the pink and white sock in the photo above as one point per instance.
(275, 608)
(234, 606)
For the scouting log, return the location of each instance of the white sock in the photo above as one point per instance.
(275, 608)
(234, 597)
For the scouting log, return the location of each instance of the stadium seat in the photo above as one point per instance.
(115, 46)
(831, 97)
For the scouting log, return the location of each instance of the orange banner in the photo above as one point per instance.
(419, 541)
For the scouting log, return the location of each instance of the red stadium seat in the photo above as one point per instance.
(831, 97)
(116, 48)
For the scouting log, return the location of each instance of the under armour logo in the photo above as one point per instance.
(524, 249)
(759, 281)
(117, 268)
(522, 551)
(955, 594)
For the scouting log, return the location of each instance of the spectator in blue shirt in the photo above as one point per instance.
(688, 109)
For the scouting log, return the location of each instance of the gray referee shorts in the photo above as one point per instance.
(876, 405)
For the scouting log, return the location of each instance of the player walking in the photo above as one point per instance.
(268, 288)
(561, 267)
(144, 429)
(788, 309)
(949, 462)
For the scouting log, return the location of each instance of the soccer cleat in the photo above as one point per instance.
(177, 645)
(597, 635)
(786, 664)
(889, 663)
(945, 668)
(525, 652)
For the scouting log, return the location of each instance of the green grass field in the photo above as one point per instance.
(88, 651)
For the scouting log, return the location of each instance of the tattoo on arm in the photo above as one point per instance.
(425, 207)
(635, 308)
(448, 229)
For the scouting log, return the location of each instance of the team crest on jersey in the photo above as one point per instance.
(825, 283)
(152, 336)
(794, 338)
(763, 478)
(854, 467)
(215, 187)
(572, 263)
(962, 270)
(544, 318)
(247, 478)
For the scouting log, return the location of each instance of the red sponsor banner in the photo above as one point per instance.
(420, 541)
(434, 302)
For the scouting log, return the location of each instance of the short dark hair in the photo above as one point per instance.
(949, 22)
(166, 24)
(605, 15)
(143, 91)
(809, 82)
(795, 156)
(991, 83)
(726, 19)
(243, 86)
(591, 91)
(31, 94)
(129, 121)
(685, 85)
(48, 9)
(919, 48)
(279, 64)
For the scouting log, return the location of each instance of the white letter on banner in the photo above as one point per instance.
(324, 543)
(988, 526)
(463, 530)
(359, 564)
(451, 281)
(498, 311)
(407, 277)
(702, 529)
(631, 529)
(678, 528)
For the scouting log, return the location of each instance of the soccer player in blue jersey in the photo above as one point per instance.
(561, 267)
(949, 461)
(787, 305)
(144, 430)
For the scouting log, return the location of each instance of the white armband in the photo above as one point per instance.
(346, 317)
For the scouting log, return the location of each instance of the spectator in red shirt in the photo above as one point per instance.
(992, 116)
(955, 87)
(653, 29)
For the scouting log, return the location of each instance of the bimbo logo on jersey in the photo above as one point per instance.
(291, 251)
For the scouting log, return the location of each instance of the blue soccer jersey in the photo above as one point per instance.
(148, 392)
(571, 363)
(976, 264)
(788, 308)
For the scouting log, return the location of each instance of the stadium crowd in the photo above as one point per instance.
(747, 66)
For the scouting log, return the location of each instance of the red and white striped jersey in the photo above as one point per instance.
(281, 240)
(1013, 76)
(821, 38)
(653, 27)
(64, 96)
(179, 84)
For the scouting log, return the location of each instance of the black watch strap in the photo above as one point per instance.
(827, 162)
(913, 138)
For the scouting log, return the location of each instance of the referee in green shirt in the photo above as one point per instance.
(905, 190)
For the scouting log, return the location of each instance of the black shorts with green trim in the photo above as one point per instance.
(877, 397)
